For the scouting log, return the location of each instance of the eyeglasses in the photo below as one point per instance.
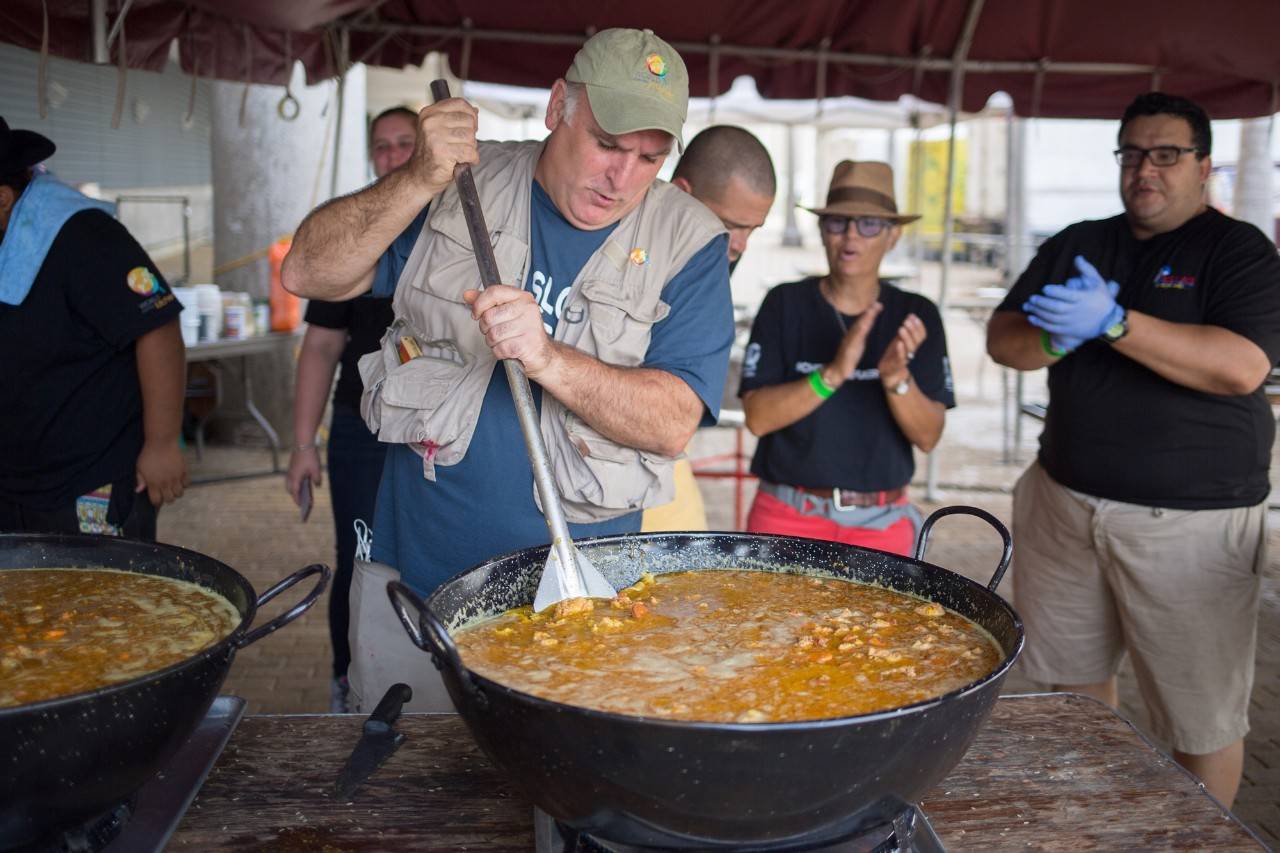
(1131, 156)
(868, 226)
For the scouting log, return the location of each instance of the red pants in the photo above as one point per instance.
(770, 515)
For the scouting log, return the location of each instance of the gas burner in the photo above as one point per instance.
(149, 817)
(91, 836)
(909, 832)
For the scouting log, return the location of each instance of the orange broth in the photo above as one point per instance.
(65, 631)
(734, 646)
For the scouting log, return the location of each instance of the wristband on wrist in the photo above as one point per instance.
(819, 386)
(301, 447)
(1048, 347)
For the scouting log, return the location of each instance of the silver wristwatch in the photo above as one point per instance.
(902, 387)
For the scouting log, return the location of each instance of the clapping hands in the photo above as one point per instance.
(1076, 311)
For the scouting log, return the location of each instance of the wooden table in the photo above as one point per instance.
(1051, 771)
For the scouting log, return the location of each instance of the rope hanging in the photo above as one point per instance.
(42, 77)
(713, 75)
(123, 73)
(189, 118)
(1037, 86)
(248, 73)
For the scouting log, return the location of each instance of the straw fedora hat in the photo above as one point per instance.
(862, 188)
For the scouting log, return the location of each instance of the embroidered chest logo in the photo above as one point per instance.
(1166, 280)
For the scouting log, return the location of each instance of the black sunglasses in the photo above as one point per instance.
(868, 226)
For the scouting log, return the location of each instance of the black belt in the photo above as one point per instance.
(848, 497)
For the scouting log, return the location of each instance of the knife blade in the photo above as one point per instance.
(376, 743)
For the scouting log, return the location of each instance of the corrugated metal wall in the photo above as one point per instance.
(152, 148)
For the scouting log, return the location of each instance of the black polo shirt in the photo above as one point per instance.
(70, 402)
(851, 441)
(1116, 429)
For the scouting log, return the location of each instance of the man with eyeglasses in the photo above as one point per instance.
(730, 171)
(1141, 527)
(842, 377)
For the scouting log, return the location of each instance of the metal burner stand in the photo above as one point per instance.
(911, 825)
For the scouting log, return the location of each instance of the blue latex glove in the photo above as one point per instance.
(1082, 312)
(1063, 343)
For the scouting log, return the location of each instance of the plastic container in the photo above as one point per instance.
(286, 309)
(261, 317)
(209, 304)
(237, 316)
(189, 319)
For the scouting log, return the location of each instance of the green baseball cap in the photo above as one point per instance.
(635, 81)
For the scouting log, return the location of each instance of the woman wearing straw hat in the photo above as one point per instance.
(843, 376)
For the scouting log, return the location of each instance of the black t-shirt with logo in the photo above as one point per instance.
(365, 319)
(851, 441)
(1116, 429)
(70, 402)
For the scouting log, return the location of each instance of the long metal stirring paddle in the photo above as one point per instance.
(567, 573)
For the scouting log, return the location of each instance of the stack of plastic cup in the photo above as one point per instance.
(190, 317)
(209, 304)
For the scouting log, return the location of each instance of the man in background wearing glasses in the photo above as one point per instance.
(842, 377)
(1141, 526)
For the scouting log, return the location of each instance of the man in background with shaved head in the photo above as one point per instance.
(730, 171)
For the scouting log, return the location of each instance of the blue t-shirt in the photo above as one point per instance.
(483, 506)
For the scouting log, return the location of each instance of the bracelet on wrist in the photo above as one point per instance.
(820, 386)
(301, 447)
(1048, 346)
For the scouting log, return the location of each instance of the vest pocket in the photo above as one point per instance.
(620, 325)
(600, 479)
(408, 403)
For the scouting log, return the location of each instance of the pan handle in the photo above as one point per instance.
(923, 542)
(292, 613)
(428, 634)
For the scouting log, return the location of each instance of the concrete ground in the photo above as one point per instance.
(251, 524)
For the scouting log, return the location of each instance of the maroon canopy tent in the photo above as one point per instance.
(1057, 58)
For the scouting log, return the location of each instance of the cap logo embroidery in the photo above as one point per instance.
(142, 282)
(639, 257)
(656, 64)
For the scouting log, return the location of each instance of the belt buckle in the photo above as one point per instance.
(837, 504)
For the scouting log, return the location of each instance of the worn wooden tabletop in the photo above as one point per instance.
(1049, 771)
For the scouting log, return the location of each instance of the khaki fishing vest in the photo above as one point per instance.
(432, 401)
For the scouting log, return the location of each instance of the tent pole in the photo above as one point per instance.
(948, 214)
(791, 232)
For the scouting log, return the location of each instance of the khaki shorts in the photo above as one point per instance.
(381, 651)
(1177, 589)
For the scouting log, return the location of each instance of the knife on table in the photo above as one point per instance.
(376, 744)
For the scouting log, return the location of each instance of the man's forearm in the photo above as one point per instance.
(336, 248)
(1204, 358)
(637, 407)
(1014, 342)
(162, 376)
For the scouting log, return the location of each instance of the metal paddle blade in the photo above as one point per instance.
(560, 582)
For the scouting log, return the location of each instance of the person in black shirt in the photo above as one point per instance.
(339, 333)
(843, 375)
(92, 367)
(1141, 526)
